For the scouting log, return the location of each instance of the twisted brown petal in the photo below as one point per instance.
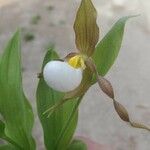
(107, 88)
(121, 110)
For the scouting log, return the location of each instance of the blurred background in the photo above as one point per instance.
(49, 22)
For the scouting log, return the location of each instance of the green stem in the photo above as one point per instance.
(68, 121)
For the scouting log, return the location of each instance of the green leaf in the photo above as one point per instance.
(7, 147)
(86, 29)
(54, 125)
(107, 50)
(70, 125)
(2, 127)
(14, 107)
(77, 145)
(3, 136)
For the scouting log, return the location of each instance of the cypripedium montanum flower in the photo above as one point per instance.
(65, 76)
(74, 74)
(62, 76)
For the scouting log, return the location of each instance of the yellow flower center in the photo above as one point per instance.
(77, 62)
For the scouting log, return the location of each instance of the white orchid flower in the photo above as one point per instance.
(64, 76)
(75, 75)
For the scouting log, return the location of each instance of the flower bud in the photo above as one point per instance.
(61, 76)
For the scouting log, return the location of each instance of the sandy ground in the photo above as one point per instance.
(129, 76)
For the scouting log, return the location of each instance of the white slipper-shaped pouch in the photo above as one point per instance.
(61, 76)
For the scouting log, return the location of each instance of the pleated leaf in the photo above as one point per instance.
(14, 107)
(58, 128)
(85, 27)
(107, 50)
(7, 147)
(2, 128)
